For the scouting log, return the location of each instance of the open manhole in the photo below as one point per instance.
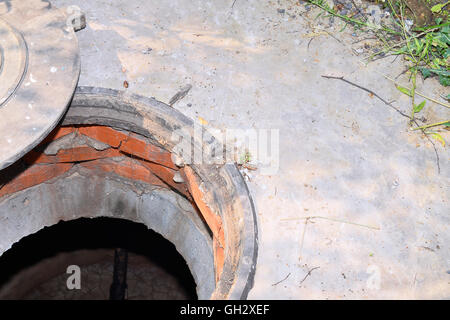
(114, 155)
(84, 260)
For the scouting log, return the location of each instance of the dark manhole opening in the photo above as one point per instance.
(37, 267)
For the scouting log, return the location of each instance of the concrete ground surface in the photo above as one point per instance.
(357, 208)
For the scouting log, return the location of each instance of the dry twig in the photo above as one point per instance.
(282, 280)
(308, 274)
(396, 109)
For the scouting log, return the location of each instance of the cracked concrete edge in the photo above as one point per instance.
(247, 265)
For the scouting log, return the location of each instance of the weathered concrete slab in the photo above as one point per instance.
(357, 194)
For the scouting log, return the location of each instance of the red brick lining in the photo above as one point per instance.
(139, 160)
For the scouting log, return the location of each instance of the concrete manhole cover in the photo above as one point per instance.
(39, 70)
(13, 61)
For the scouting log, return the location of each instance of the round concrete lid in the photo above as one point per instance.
(39, 70)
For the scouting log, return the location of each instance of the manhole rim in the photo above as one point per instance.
(223, 189)
(238, 276)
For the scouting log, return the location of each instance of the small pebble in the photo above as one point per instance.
(147, 51)
(281, 10)
(344, 12)
(348, 6)
(178, 178)
(178, 162)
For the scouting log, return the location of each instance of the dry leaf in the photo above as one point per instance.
(202, 121)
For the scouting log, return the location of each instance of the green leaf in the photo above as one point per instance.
(437, 25)
(418, 108)
(446, 53)
(425, 72)
(447, 124)
(439, 138)
(444, 80)
(446, 27)
(437, 8)
(440, 42)
(418, 45)
(447, 97)
(425, 50)
(404, 90)
(444, 75)
(402, 50)
(443, 37)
